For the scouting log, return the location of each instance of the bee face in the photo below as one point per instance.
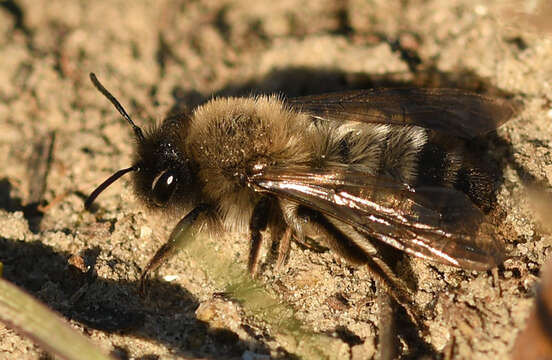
(165, 172)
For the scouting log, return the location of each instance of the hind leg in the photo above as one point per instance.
(353, 246)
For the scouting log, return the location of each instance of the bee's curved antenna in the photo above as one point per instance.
(105, 184)
(118, 106)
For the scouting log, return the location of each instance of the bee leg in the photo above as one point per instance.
(355, 248)
(283, 249)
(180, 235)
(389, 343)
(258, 223)
(351, 245)
(281, 241)
(312, 243)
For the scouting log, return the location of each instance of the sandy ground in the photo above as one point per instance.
(61, 138)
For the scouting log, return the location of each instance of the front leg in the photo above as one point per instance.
(181, 234)
(258, 223)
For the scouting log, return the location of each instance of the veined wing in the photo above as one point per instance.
(434, 223)
(452, 111)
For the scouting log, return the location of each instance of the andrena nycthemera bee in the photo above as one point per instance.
(354, 171)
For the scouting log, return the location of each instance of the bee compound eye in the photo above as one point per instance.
(163, 186)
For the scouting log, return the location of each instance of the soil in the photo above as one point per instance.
(61, 138)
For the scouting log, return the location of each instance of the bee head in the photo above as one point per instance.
(165, 172)
(160, 167)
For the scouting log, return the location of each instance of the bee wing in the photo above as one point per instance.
(434, 223)
(456, 112)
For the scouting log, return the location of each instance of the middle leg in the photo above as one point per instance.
(257, 224)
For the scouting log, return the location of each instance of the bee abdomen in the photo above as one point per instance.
(439, 166)
(371, 148)
(479, 185)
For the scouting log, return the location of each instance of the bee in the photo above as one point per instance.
(357, 171)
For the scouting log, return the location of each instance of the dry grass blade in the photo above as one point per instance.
(26, 315)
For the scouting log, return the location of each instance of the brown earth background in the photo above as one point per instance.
(60, 138)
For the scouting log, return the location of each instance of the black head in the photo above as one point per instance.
(160, 167)
(166, 174)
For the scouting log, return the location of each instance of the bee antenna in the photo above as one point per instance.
(118, 106)
(105, 184)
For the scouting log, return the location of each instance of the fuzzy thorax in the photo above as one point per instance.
(231, 137)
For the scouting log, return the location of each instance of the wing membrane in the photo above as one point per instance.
(433, 223)
(452, 111)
